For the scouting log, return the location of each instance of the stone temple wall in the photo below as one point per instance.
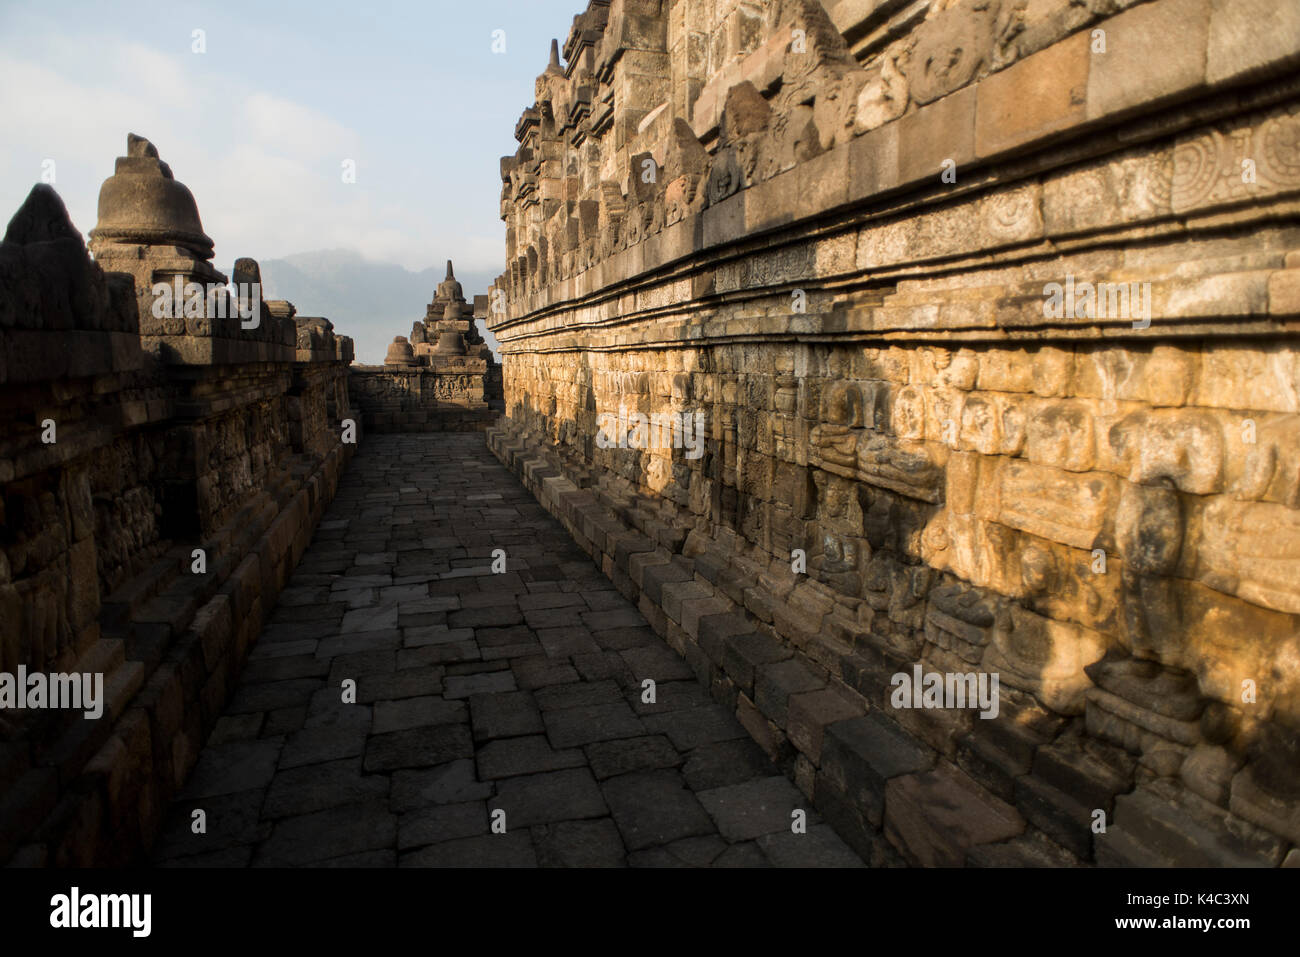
(838, 230)
(128, 441)
(444, 378)
(421, 400)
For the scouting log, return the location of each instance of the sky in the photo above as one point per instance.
(259, 125)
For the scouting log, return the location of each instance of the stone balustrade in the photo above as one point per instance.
(161, 472)
(443, 378)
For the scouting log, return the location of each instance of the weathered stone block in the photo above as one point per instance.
(1040, 95)
(775, 683)
(1253, 37)
(860, 755)
(1153, 52)
(1179, 827)
(934, 818)
(809, 713)
(743, 654)
(943, 130)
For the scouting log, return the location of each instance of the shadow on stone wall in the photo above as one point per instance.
(161, 476)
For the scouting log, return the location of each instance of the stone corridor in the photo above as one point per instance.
(474, 692)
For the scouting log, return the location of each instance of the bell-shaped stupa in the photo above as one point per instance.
(143, 204)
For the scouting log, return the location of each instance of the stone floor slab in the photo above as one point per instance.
(474, 692)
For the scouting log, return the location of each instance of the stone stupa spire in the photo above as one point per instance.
(449, 290)
(41, 218)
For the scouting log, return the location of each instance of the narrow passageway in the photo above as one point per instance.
(475, 692)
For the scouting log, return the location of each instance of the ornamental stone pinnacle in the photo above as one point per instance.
(442, 377)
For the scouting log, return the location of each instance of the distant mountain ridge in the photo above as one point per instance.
(370, 301)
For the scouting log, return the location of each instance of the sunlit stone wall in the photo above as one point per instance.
(991, 313)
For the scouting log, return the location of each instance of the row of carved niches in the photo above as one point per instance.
(572, 201)
(462, 382)
(1130, 195)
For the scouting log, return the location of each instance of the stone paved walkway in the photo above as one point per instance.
(474, 692)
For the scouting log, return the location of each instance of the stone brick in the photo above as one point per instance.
(810, 712)
(490, 850)
(692, 727)
(1165, 824)
(350, 828)
(235, 767)
(509, 757)
(1253, 37)
(446, 822)
(935, 817)
(939, 131)
(716, 630)
(416, 712)
(565, 795)
(820, 847)
(745, 653)
(860, 756)
(775, 683)
(652, 808)
(579, 844)
(1284, 292)
(573, 727)
(754, 808)
(696, 609)
(418, 747)
(725, 763)
(504, 714)
(1029, 850)
(1038, 96)
(450, 783)
(874, 162)
(318, 787)
(766, 735)
(1058, 814)
(676, 594)
(1152, 52)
